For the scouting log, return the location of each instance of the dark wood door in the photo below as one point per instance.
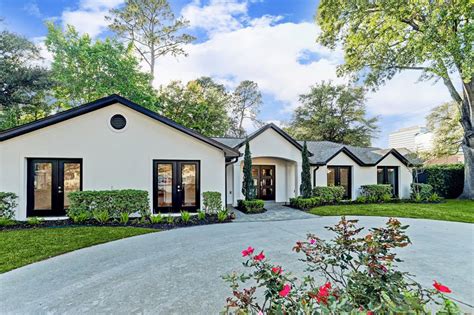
(264, 181)
(176, 185)
(49, 183)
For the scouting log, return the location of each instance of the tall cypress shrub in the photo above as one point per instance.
(248, 188)
(305, 187)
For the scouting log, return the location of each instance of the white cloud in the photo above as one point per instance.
(267, 55)
(90, 16)
(32, 9)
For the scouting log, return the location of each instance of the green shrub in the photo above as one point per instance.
(361, 199)
(329, 194)
(447, 179)
(222, 215)
(434, 198)
(305, 203)
(251, 206)
(80, 216)
(101, 216)
(34, 221)
(124, 218)
(212, 201)
(156, 219)
(201, 215)
(185, 216)
(6, 221)
(377, 193)
(170, 219)
(423, 190)
(8, 203)
(114, 202)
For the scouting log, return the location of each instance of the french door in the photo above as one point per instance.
(49, 183)
(264, 181)
(341, 176)
(176, 185)
(388, 175)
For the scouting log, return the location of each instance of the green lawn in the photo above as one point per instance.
(23, 247)
(451, 210)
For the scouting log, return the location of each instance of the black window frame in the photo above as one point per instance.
(395, 190)
(337, 179)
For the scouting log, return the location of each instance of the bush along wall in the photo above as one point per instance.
(329, 194)
(8, 203)
(212, 201)
(375, 193)
(446, 180)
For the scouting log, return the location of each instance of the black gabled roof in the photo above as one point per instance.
(104, 102)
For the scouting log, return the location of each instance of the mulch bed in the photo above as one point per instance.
(134, 222)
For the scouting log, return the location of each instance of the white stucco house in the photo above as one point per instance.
(113, 143)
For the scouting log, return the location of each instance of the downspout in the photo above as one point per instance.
(227, 163)
(314, 175)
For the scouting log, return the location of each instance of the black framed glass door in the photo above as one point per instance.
(341, 176)
(388, 175)
(49, 182)
(176, 185)
(264, 181)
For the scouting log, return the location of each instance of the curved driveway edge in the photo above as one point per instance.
(179, 271)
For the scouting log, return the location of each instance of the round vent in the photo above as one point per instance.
(118, 122)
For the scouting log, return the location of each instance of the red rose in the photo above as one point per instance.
(441, 288)
(248, 251)
(259, 257)
(277, 270)
(286, 289)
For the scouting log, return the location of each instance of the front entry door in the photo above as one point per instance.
(264, 181)
(176, 185)
(49, 183)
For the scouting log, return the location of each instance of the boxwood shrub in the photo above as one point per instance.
(114, 202)
(251, 206)
(8, 203)
(376, 193)
(329, 194)
(212, 201)
(305, 203)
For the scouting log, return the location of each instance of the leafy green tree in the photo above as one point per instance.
(86, 70)
(152, 28)
(245, 104)
(199, 105)
(248, 187)
(443, 121)
(382, 38)
(24, 84)
(305, 187)
(333, 113)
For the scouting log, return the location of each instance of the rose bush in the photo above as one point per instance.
(360, 273)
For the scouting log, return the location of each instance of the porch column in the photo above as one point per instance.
(298, 170)
(236, 192)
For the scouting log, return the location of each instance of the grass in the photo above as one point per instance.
(23, 247)
(451, 210)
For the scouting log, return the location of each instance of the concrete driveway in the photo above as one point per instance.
(179, 271)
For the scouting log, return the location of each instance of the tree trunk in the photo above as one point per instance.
(467, 112)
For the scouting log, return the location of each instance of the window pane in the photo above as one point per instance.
(380, 175)
(331, 176)
(72, 180)
(345, 180)
(392, 178)
(43, 183)
(165, 185)
(188, 173)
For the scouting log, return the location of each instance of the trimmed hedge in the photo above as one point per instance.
(251, 206)
(305, 203)
(114, 202)
(212, 201)
(376, 193)
(447, 180)
(8, 203)
(329, 194)
(421, 191)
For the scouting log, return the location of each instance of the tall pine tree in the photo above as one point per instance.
(305, 187)
(248, 188)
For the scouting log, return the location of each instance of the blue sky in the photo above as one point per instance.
(271, 42)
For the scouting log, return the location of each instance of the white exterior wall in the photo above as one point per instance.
(366, 175)
(111, 159)
(270, 148)
(405, 177)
